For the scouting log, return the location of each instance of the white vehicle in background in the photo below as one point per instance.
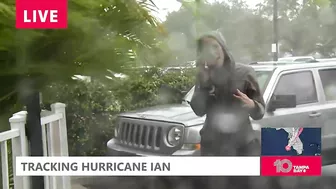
(175, 69)
(302, 94)
(299, 94)
(326, 60)
(81, 78)
(298, 59)
(181, 68)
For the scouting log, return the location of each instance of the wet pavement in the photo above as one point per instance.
(325, 182)
(76, 183)
(329, 170)
(143, 182)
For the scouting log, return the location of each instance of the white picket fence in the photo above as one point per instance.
(55, 143)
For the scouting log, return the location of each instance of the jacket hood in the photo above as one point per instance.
(225, 74)
(228, 61)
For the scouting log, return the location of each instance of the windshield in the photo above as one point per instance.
(263, 77)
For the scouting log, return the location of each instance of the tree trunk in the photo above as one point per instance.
(35, 133)
(31, 98)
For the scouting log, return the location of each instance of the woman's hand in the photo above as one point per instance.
(246, 101)
(204, 77)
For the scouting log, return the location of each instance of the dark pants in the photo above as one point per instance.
(228, 145)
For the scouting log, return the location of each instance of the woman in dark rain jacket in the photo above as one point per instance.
(227, 93)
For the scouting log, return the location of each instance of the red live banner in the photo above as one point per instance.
(291, 165)
(41, 14)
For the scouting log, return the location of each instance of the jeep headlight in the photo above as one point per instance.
(174, 136)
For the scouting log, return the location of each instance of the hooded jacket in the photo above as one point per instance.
(224, 113)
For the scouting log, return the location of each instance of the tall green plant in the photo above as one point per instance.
(101, 34)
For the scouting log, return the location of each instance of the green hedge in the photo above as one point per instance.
(10, 168)
(92, 107)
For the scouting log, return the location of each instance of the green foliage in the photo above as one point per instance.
(232, 21)
(101, 34)
(305, 28)
(10, 167)
(98, 31)
(92, 107)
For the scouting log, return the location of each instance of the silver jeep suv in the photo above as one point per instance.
(302, 95)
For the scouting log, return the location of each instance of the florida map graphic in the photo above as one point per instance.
(291, 141)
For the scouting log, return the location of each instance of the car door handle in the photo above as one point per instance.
(315, 114)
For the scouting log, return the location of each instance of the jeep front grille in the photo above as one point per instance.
(146, 135)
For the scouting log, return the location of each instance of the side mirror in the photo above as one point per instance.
(281, 101)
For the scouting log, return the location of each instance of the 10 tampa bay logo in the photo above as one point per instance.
(286, 166)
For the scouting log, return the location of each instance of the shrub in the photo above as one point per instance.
(10, 167)
(92, 107)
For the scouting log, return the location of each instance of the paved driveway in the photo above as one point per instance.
(325, 182)
(127, 183)
(329, 170)
(177, 183)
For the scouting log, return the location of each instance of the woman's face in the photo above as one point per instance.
(209, 44)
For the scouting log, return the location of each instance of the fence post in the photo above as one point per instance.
(19, 148)
(60, 108)
(24, 115)
(63, 134)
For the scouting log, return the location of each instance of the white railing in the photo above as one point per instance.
(55, 143)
